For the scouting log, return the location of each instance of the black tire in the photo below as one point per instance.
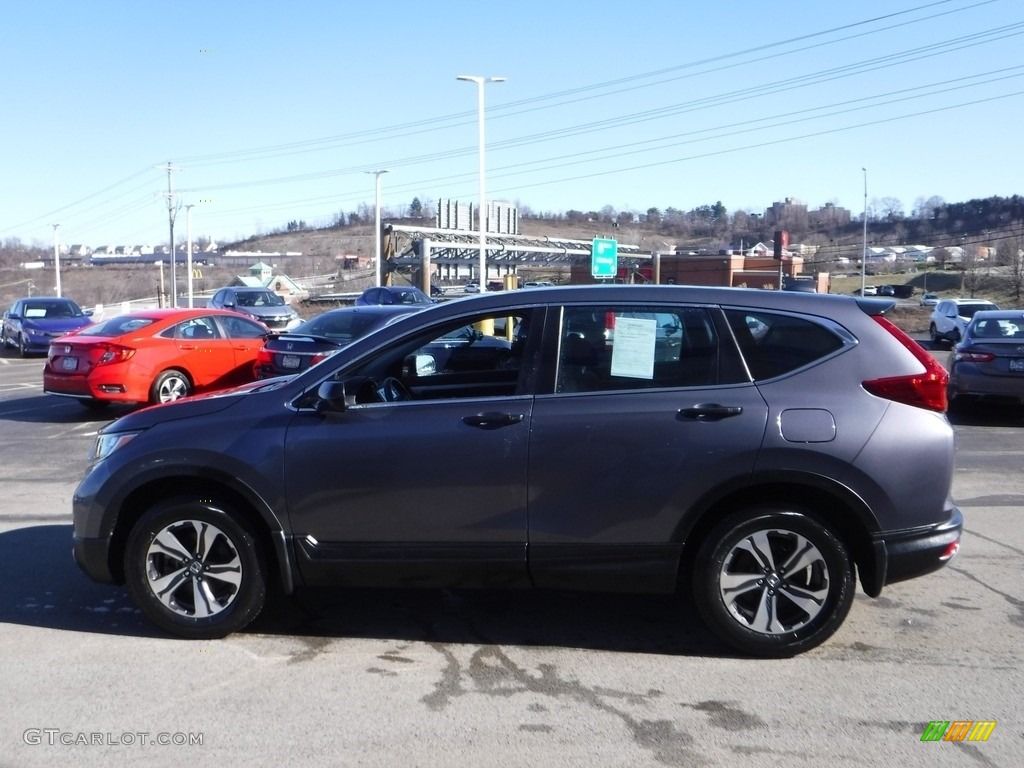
(933, 332)
(745, 596)
(195, 569)
(170, 386)
(22, 345)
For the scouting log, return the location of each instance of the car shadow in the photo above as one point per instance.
(985, 415)
(48, 409)
(44, 588)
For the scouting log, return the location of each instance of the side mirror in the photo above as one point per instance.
(419, 365)
(331, 397)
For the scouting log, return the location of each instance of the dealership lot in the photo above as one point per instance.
(385, 677)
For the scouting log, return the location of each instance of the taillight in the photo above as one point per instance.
(923, 390)
(974, 357)
(264, 357)
(318, 357)
(114, 354)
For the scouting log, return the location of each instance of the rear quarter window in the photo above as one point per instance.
(775, 344)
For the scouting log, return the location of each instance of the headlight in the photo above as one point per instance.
(108, 442)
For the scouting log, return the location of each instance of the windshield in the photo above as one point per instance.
(969, 310)
(52, 309)
(259, 299)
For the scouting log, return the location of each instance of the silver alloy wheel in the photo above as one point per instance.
(172, 387)
(774, 581)
(193, 569)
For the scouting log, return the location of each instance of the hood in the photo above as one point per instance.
(192, 407)
(56, 325)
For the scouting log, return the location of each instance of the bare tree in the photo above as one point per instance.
(1011, 253)
(890, 208)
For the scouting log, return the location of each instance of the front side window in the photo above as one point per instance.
(477, 356)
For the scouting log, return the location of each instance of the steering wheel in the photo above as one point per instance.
(391, 390)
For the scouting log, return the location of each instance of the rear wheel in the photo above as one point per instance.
(195, 569)
(169, 386)
(772, 582)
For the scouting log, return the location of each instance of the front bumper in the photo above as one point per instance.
(93, 557)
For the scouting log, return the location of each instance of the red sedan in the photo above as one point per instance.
(154, 356)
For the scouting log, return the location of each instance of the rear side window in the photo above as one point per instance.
(624, 347)
(775, 344)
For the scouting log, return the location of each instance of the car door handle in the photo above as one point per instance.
(709, 412)
(492, 419)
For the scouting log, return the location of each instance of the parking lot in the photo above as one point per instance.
(485, 678)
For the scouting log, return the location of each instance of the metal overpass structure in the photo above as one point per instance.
(451, 254)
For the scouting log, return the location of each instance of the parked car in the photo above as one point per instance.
(950, 317)
(261, 304)
(868, 290)
(471, 288)
(393, 294)
(33, 322)
(929, 299)
(284, 354)
(988, 363)
(154, 356)
(885, 290)
(795, 443)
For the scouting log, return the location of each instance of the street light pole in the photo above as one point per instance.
(376, 221)
(188, 234)
(56, 257)
(864, 255)
(481, 213)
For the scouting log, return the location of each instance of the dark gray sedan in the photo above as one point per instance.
(988, 363)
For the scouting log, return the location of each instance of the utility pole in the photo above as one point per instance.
(172, 211)
(56, 257)
(188, 235)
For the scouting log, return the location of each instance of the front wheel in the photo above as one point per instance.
(169, 386)
(772, 582)
(194, 569)
(933, 332)
(22, 345)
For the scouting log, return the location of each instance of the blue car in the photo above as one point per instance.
(32, 323)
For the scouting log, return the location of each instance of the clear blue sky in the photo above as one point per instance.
(274, 112)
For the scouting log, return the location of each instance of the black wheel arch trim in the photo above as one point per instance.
(141, 483)
(860, 531)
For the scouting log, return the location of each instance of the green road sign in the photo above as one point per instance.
(604, 258)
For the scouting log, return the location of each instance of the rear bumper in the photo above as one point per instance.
(908, 554)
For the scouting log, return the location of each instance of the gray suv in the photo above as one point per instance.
(261, 304)
(761, 450)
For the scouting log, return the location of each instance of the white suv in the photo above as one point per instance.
(951, 316)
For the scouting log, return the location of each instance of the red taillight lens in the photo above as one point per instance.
(318, 357)
(112, 353)
(264, 357)
(923, 390)
(974, 357)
